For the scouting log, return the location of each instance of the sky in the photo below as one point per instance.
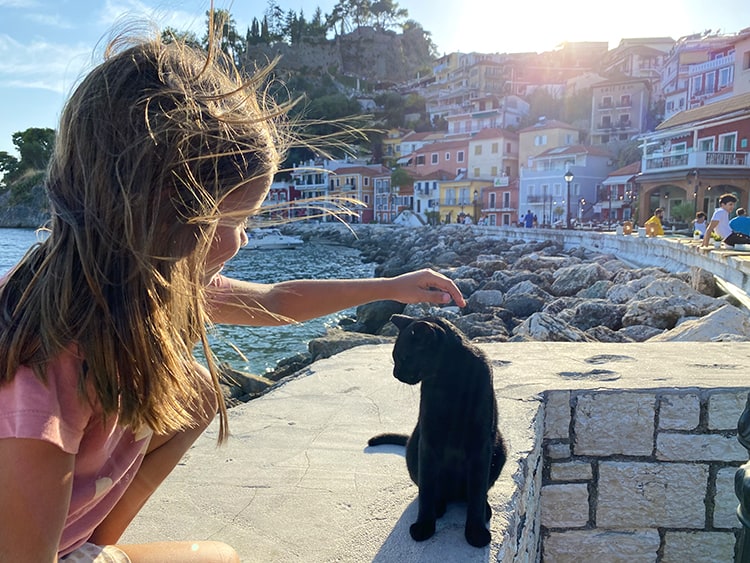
(46, 46)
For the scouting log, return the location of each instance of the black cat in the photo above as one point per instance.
(455, 452)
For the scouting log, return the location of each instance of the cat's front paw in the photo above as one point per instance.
(478, 536)
(421, 531)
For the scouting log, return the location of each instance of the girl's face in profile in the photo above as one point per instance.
(230, 234)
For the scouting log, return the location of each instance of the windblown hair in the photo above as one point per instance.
(149, 144)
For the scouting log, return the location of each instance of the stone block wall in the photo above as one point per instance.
(640, 475)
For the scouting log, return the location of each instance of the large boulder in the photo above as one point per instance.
(572, 279)
(723, 321)
(544, 327)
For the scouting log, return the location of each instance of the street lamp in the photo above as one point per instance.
(568, 179)
(476, 207)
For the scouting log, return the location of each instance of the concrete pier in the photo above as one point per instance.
(619, 452)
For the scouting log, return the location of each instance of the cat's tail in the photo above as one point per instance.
(392, 439)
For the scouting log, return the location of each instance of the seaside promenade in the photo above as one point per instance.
(618, 452)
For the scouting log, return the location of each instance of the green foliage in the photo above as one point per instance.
(35, 147)
(21, 176)
(225, 28)
(400, 177)
(542, 105)
(351, 14)
(22, 189)
(682, 212)
(577, 107)
(171, 34)
(629, 153)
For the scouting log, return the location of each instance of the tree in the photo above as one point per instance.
(386, 14)
(8, 166)
(171, 34)
(35, 147)
(221, 25)
(400, 177)
(316, 28)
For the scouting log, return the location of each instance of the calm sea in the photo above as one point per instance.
(262, 347)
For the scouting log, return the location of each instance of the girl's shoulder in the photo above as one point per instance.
(53, 410)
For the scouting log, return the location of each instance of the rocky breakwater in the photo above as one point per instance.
(527, 291)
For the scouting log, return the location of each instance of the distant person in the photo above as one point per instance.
(700, 223)
(720, 223)
(653, 225)
(528, 219)
(741, 223)
(535, 223)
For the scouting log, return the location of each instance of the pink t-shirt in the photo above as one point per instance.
(107, 455)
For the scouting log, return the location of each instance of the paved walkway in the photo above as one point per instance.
(298, 483)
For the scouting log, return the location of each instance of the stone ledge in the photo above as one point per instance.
(297, 482)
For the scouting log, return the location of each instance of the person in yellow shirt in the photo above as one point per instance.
(653, 225)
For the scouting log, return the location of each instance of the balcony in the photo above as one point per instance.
(695, 159)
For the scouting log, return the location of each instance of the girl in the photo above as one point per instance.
(161, 154)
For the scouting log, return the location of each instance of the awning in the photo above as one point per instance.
(404, 160)
(615, 180)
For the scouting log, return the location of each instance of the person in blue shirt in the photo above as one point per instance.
(528, 219)
(741, 223)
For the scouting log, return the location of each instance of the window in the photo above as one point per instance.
(493, 171)
(558, 190)
(464, 196)
(606, 121)
(706, 145)
(477, 150)
(710, 83)
(495, 148)
(746, 60)
(476, 172)
(679, 147)
(540, 140)
(420, 160)
(697, 85)
(625, 100)
(434, 158)
(725, 77)
(507, 148)
(366, 181)
(728, 143)
(447, 156)
(607, 102)
(460, 156)
(506, 200)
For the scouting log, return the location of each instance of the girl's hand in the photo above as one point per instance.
(426, 286)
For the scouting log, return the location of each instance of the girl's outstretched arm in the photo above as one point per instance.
(244, 303)
(37, 479)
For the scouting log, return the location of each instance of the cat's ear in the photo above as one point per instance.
(401, 321)
(427, 331)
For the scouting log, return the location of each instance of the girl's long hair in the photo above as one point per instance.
(149, 144)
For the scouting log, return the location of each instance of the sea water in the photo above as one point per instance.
(252, 349)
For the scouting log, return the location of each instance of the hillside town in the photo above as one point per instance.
(683, 105)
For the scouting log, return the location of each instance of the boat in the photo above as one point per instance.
(271, 239)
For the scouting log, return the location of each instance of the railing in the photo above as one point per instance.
(695, 159)
(712, 65)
